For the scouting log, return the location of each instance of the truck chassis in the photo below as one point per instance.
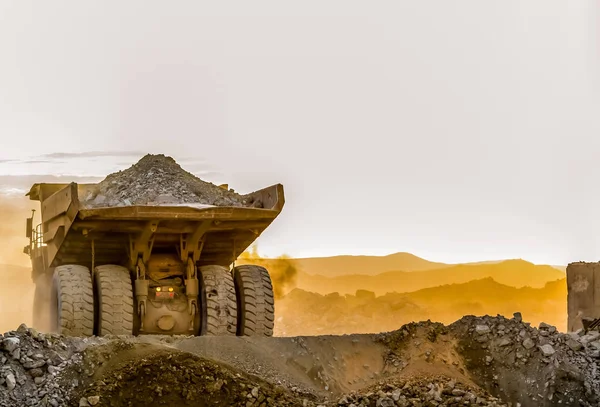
(148, 269)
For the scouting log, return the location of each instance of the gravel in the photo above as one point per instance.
(423, 391)
(539, 367)
(158, 180)
(476, 361)
(38, 369)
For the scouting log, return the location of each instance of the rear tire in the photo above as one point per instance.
(73, 301)
(114, 300)
(256, 307)
(218, 303)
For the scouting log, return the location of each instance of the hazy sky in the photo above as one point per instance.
(456, 130)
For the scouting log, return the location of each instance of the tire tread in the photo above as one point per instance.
(256, 304)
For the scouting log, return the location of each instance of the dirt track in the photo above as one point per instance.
(475, 361)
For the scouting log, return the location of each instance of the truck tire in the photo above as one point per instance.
(73, 300)
(218, 303)
(256, 307)
(114, 300)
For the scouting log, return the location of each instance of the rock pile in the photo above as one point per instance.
(37, 369)
(476, 361)
(159, 180)
(434, 391)
(534, 366)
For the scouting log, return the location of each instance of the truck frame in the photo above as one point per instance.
(134, 270)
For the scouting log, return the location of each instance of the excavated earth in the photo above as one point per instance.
(157, 179)
(476, 361)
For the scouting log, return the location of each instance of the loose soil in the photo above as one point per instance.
(484, 361)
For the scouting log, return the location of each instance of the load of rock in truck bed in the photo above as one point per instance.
(159, 180)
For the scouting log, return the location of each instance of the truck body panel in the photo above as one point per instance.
(68, 229)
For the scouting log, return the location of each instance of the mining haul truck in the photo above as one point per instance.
(134, 270)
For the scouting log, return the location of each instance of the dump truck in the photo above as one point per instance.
(148, 269)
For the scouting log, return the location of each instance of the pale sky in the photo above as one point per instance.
(455, 130)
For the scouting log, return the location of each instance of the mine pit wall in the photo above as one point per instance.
(583, 293)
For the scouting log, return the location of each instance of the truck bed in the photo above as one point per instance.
(68, 229)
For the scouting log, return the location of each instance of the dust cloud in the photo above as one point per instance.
(16, 287)
(13, 212)
(303, 312)
(284, 274)
(16, 297)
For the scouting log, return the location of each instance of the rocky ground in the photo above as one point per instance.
(476, 361)
(159, 180)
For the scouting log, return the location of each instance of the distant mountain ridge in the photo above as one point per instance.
(365, 265)
(492, 292)
(514, 273)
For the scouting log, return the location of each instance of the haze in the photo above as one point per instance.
(458, 131)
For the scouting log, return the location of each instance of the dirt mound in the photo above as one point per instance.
(145, 375)
(318, 365)
(484, 361)
(537, 367)
(159, 180)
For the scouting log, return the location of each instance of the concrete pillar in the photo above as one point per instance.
(583, 293)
